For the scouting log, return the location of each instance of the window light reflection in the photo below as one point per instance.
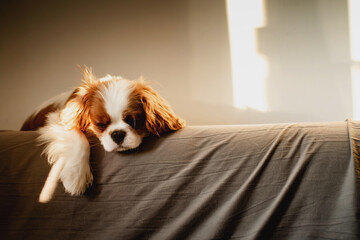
(249, 68)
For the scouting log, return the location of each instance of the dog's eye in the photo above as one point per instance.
(130, 121)
(101, 125)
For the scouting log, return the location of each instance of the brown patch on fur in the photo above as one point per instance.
(77, 111)
(34, 122)
(75, 114)
(134, 115)
(159, 117)
(98, 115)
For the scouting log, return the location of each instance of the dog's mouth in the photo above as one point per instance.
(126, 149)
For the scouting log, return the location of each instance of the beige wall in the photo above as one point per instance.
(183, 48)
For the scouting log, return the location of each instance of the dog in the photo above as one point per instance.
(119, 112)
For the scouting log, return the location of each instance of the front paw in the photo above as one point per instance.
(76, 179)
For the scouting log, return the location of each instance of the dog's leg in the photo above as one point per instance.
(72, 149)
(51, 182)
(76, 175)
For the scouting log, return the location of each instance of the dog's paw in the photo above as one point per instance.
(76, 179)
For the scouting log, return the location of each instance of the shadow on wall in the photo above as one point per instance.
(306, 44)
(306, 48)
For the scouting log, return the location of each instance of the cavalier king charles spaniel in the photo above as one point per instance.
(119, 112)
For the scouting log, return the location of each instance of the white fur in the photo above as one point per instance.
(108, 77)
(70, 146)
(116, 99)
(51, 181)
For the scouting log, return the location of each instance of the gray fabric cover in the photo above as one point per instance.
(280, 181)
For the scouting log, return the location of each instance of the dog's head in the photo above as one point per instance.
(119, 112)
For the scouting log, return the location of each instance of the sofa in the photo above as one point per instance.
(267, 181)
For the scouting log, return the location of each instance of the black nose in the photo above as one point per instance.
(118, 136)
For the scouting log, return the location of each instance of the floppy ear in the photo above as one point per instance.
(159, 117)
(76, 112)
(77, 109)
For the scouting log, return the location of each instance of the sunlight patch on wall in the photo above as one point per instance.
(249, 68)
(354, 25)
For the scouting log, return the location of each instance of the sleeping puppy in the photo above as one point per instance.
(119, 112)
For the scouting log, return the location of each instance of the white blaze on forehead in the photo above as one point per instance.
(116, 98)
